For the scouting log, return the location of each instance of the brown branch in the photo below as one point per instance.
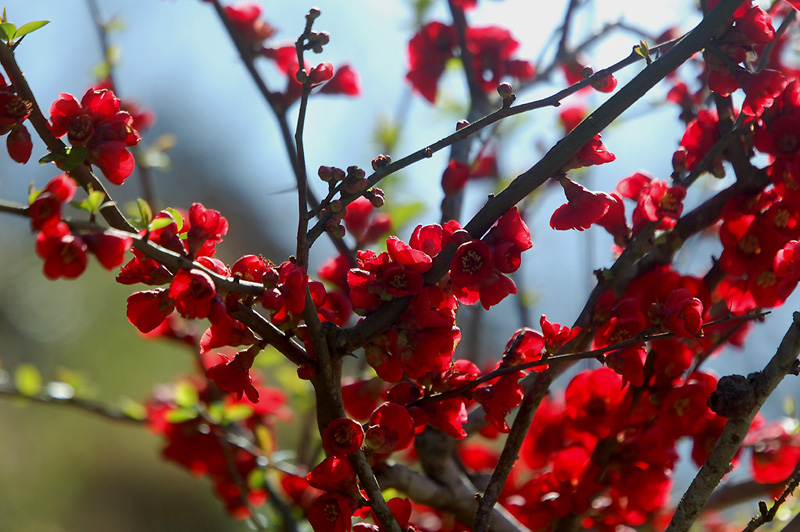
(87, 405)
(719, 460)
(768, 515)
(552, 162)
(146, 176)
(553, 100)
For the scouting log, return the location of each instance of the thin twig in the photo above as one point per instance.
(719, 460)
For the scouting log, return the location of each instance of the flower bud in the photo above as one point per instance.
(377, 198)
(461, 124)
(505, 91)
(380, 161)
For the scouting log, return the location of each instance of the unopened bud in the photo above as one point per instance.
(314, 13)
(380, 161)
(586, 72)
(505, 90)
(337, 174)
(377, 198)
(336, 206)
(461, 124)
(301, 75)
(325, 173)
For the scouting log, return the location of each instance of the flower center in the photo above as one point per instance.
(750, 245)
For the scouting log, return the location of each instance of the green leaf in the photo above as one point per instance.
(52, 157)
(93, 202)
(30, 27)
(28, 380)
(238, 412)
(133, 409)
(75, 156)
(175, 216)
(7, 31)
(215, 412)
(160, 223)
(256, 479)
(145, 212)
(186, 395)
(180, 415)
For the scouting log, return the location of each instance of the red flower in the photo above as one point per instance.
(343, 436)
(233, 376)
(345, 80)
(592, 153)
(99, 125)
(246, 17)
(390, 429)
(148, 309)
(455, 176)
(583, 208)
(684, 314)
(472, 264)
(331, 512)
(64, 254)
(206, 229)
(499, 398)
(335, 473)
(428, 53)
(108, 248)
(192, 291)
(761, 89)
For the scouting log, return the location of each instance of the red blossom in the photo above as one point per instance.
(147, 310)
(455, 176)
(583, 208)
(592, 153)
(335, 473)
(98, 124)
(390, 429)
(192, 291)
(108, 248)
(331, 512)
(684, 314)
(233, 375)
(64, 254)
(342, 436)
(246, 18)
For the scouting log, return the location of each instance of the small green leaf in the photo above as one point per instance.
(101, 70)
(215, 412)
(145, 212)
(52, 157)
(180, 415)
(175, 216)
(238, 412)
(33, 194)
(8, 30)
(186, 395)
(28, 380)
(93, 203)
(133, 409)
(75, 156)
(30, 27)
(256, 479)
(160, 223)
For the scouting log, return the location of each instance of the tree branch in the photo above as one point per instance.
(719, 460)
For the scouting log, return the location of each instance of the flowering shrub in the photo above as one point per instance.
(460, 441)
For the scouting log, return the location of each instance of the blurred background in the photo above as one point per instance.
(62, 469)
